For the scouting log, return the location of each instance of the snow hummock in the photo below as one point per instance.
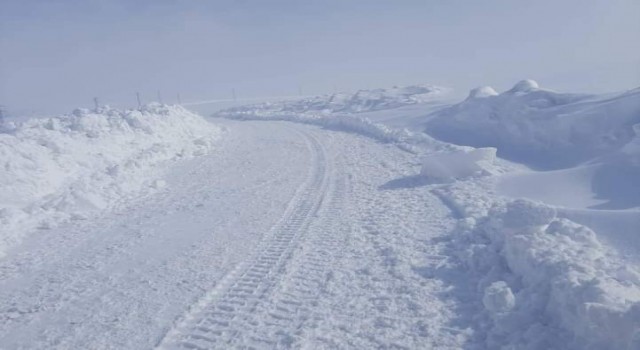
(65, 168)
(526, 85)
(481, 92)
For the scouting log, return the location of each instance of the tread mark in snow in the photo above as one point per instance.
(218, 320)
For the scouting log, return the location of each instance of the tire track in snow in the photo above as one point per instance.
(217, 320)
(287, 319)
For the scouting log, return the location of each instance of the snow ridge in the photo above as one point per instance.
(340, 112)
(64, 168)
(358, 102)
(539, 127)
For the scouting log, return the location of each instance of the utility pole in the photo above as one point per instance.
(179, 100)
(299, 90)
(233, 93)
(95, 101)
(159, 97)
(1, 115)
(139, 101)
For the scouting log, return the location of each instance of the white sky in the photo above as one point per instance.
(57, 55)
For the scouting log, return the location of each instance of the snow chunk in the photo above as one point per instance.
(498, 298)
(458, 164)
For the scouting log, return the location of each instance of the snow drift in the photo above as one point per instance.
(544, 281)
(539, 127)
(62, 168)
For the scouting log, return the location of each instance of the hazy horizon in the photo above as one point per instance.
(57, 56)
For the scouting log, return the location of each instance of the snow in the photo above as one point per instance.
(569, 289)
(526, 85)
(541, 128)
(543, 277)
(482, 92)
(66, 168)
(358, 102)
(498, 299)
(458, 164)
(331, 222)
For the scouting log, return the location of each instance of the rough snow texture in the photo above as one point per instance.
(459, 164)
(539, 127)
(546, 282)
(62, 168)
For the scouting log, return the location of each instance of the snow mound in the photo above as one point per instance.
(458, 164)
(541, 128)
(545, 282)
(62, 168)
(483, 91)
(526, 85)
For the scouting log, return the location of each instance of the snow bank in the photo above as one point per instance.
(345, 122)
(458, 164)
(340, 112)
(405, 139)
(62, 168)
(539, 127)
(545, 282)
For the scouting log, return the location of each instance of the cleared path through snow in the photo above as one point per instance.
(287, 236)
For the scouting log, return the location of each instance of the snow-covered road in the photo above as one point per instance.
(287, 236)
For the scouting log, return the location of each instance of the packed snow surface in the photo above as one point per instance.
(65, 168)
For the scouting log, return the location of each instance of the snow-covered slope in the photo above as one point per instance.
(539, 127)
(61, 168)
